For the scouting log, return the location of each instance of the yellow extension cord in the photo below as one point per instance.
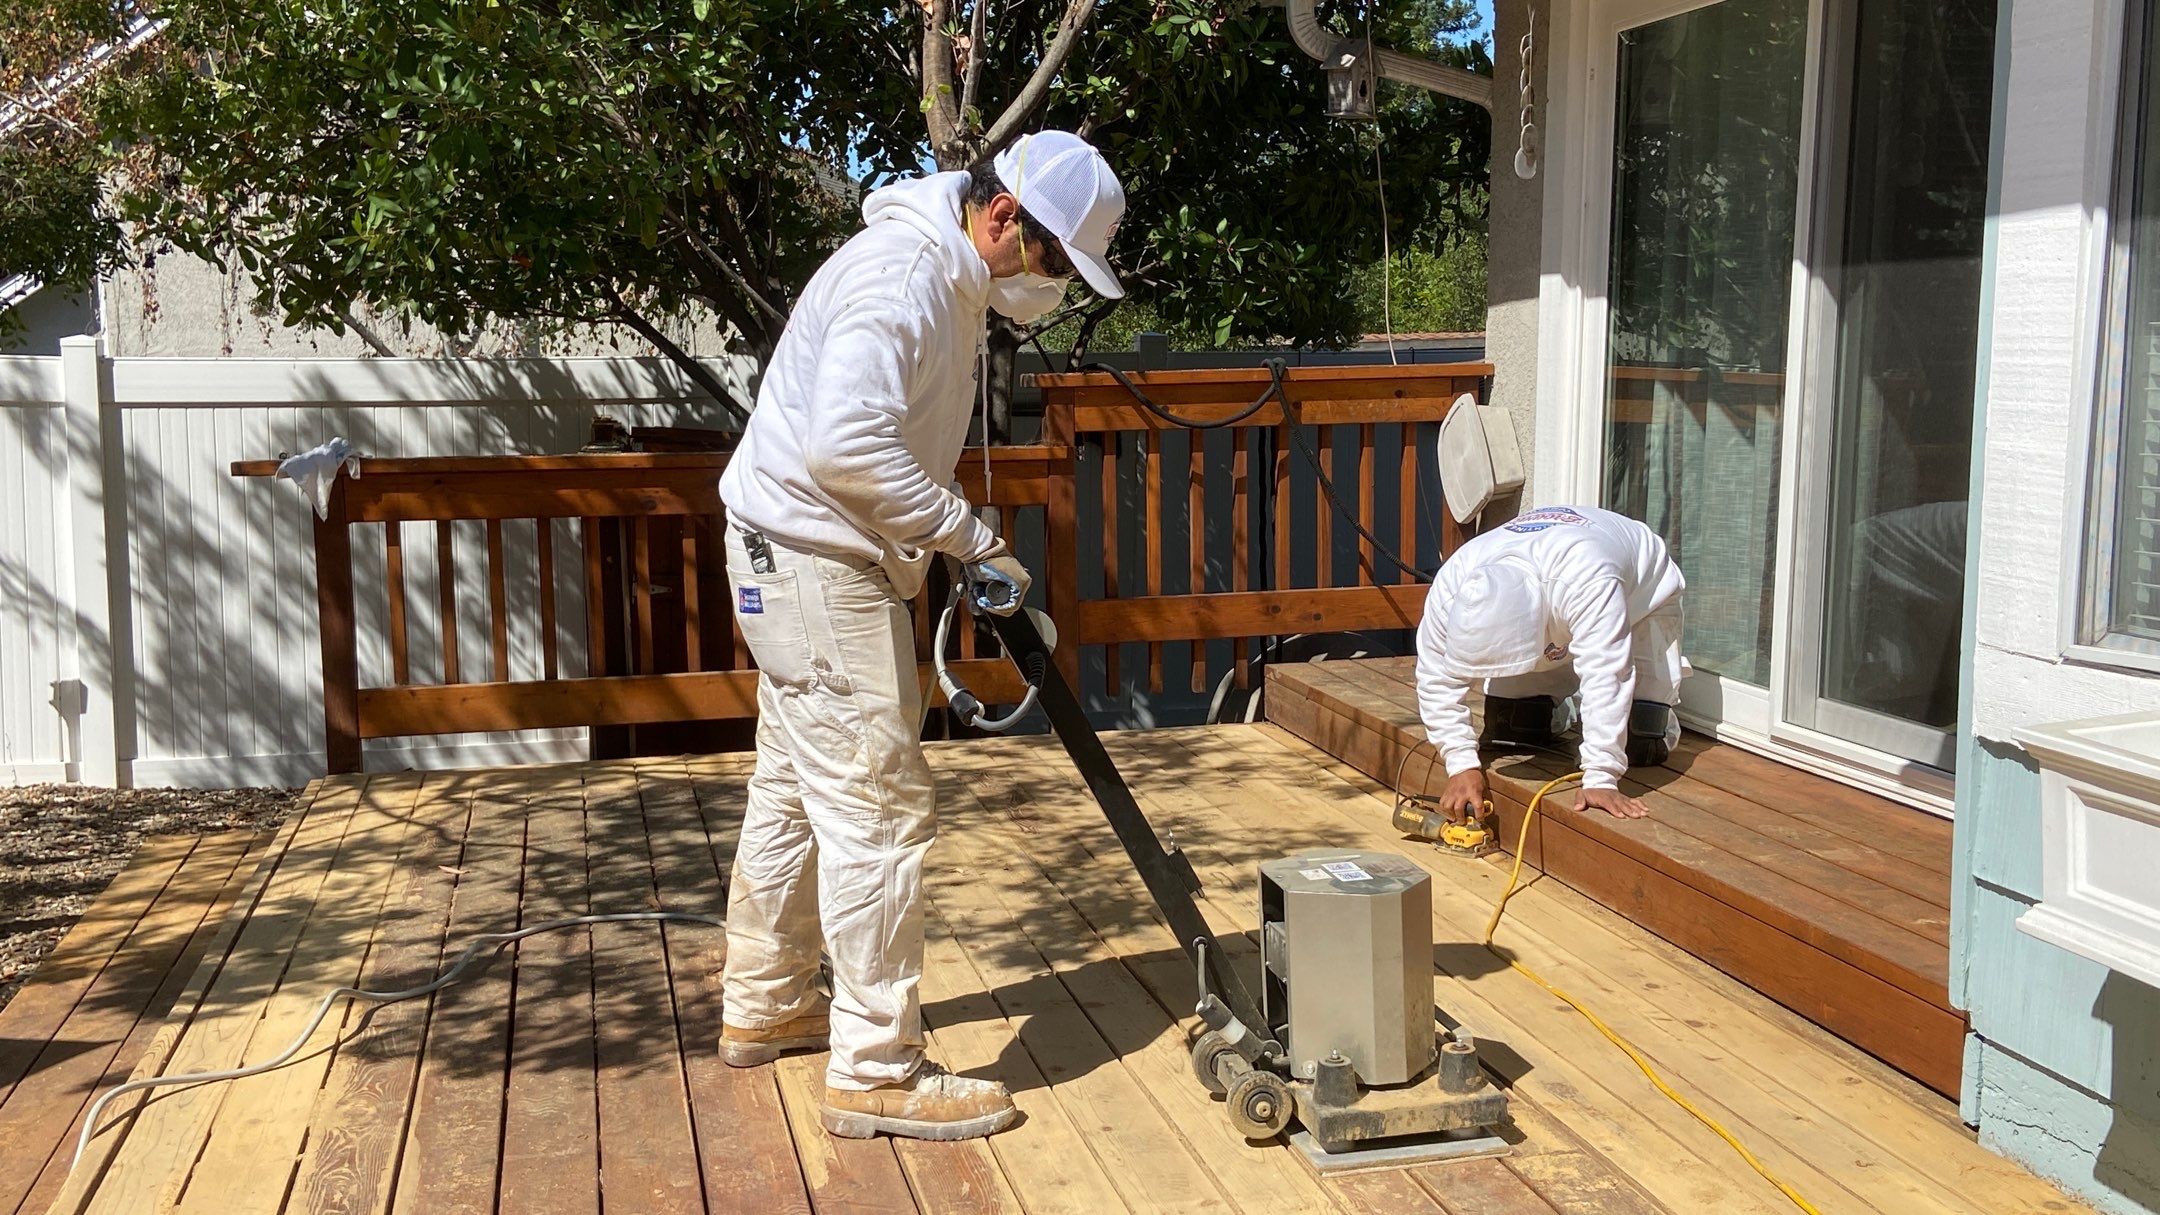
(1514, 877)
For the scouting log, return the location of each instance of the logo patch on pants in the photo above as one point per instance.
(750, 601)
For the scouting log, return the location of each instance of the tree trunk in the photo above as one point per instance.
(1004, 350)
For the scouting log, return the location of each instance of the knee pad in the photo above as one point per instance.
(1653, 731)
(1533, 720)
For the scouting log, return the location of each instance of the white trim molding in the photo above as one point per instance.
(2100, 840)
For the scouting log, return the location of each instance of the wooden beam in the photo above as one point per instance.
(618, 700)
(1249, 614)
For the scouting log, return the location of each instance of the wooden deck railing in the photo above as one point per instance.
(645, 532)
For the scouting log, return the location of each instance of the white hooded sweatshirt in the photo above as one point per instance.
(1561, 586)
(863, 414)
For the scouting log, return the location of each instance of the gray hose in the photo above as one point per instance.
(484, 943)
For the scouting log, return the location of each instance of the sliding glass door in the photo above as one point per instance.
(1880, 605)
(1705, 169)
(1796, 191)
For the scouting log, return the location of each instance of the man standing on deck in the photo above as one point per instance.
(838, 500)
(1563, 603)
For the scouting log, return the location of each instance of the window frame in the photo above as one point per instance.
(2094, 640)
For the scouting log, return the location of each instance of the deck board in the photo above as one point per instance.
(67, 1062)
(1046, 967)
(1826, 898)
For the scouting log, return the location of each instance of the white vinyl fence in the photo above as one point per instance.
(157, 615)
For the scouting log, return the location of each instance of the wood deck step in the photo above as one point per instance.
(1829, 900)
(93, 1005)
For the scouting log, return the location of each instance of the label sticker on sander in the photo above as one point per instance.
(1347, 871)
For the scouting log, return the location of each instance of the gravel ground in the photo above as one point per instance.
(61, 844)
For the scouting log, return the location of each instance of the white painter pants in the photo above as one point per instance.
(841, 811)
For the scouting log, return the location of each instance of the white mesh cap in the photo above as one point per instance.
(1064, 182)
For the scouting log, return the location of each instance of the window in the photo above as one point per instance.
(2125, 611)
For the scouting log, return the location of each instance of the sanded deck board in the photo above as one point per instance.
(159, 1145)
(360, 1113)
(1088, 939)
(89, 1052)
(40, 1007)
(747, 1151)
(246, 1161)
(120, 1119)
(1047, 966)
(551, 1134)
(453, 1128)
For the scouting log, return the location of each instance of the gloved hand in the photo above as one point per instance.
(998, 583)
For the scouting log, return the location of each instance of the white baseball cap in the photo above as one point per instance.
(1496, 622)
(1064, 182)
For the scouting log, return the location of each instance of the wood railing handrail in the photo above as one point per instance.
(657, 517)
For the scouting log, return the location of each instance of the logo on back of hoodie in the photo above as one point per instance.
(1551, 516)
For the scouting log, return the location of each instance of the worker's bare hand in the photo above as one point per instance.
(1464, 796)
(1612, 802)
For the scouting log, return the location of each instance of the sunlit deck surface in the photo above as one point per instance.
(580, 1074)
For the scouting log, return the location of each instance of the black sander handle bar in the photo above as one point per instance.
(1168, 875)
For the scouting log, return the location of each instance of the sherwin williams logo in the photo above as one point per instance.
(750, 601)
(1551, 516)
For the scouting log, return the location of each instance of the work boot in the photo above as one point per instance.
(744, 1046)
(931, 1104)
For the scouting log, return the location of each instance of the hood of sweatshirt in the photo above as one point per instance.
(933, 206)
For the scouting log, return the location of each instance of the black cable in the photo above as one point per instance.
(1274, 391)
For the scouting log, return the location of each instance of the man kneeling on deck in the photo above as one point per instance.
(1562, 604)
(837, 501)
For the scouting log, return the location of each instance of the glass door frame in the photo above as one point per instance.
(1578, 266)
(1916, 756)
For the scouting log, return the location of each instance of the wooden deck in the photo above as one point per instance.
(580, 1076)
(98, 1000)
(1830, 900)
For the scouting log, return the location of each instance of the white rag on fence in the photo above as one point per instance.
(314, 469)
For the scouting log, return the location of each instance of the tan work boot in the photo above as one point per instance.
(931, 1104)
(742, 1046)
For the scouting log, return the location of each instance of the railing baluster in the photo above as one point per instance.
(394, 571)
(446, 580)
(1241, 441)
(1110, 504)
(641, 592)
(1324, 524)
(1370, 568)
(1281, 505)
(1154, 522)
(596, 663)
(1196, 548)
(545, 538)
(693, 534)
(1407, 503)
(498, 602)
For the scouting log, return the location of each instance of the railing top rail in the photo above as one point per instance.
(1259, 375)
(633, 461)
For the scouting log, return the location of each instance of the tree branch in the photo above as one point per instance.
(979, 19)
(939, 111)
(629, 317)
(368, 333)
(1037, 91)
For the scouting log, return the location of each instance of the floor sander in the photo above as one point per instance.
(1342, 1048)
